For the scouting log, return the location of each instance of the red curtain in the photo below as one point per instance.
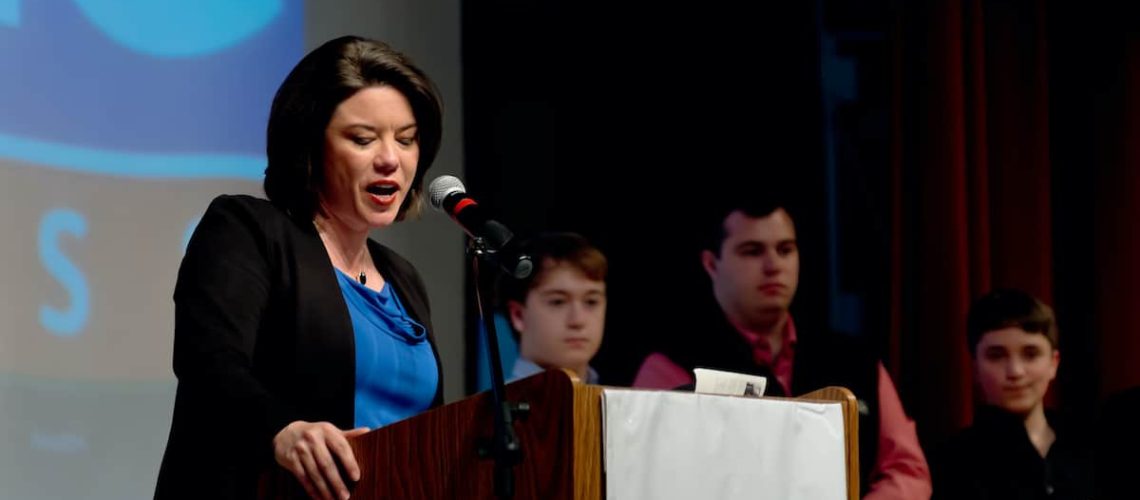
(972, 186)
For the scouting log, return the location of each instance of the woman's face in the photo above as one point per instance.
(371, 150)
(1015, 368)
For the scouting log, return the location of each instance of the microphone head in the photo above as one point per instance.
(442, 187)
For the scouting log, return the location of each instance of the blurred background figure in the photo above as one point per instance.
(1015, 448)
(752, 259)
(558, 313)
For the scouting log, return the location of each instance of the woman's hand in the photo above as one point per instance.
(306, 449)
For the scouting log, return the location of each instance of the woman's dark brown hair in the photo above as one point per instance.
(305, 103)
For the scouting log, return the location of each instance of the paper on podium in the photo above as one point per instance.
(728, 383)
(666, 445)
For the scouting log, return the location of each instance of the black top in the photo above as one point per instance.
(262, 337)
(994, 459)
(1117, 441)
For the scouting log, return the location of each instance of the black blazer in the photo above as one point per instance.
(262, 337)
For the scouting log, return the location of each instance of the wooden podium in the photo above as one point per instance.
(435, 454)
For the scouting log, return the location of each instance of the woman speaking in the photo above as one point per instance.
(293, 330)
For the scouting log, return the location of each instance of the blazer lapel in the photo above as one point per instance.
(326, 345)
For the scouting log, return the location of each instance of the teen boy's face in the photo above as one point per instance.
(561, 323)
(1014, 368)
(757, 271)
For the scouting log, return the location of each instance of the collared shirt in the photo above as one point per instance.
(524, 368)
(781, 366)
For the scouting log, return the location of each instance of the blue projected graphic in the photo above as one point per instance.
(67, 321)
(119, 120)
(143, 88)
(140, 165)
(177, 28)
(9, 12)
(134, 89)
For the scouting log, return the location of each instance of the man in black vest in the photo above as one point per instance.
(752, 260)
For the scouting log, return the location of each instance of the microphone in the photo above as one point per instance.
(448, 194)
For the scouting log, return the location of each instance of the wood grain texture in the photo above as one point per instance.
(588, 484)
(434, 455)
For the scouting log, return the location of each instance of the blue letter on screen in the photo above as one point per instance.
(65, 322)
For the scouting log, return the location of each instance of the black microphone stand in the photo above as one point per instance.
(504, 447)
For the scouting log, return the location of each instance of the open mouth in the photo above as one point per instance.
(383, 189)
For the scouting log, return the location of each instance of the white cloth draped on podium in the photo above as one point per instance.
(664, 445)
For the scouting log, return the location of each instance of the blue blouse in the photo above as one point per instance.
(396, 372)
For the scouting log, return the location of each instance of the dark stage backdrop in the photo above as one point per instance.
(935, 149)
